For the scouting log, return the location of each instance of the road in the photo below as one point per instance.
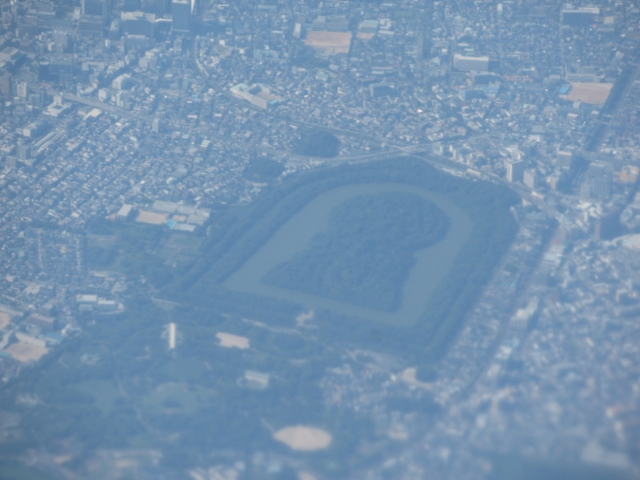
(108, 108)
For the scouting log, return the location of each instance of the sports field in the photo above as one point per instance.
(591, 93)
(24, 352)
(152, 218)
(329, 43)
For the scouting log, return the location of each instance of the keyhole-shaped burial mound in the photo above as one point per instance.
(367, 251)
(300, 437)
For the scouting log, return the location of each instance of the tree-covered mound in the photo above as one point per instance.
(366, 254)
(318, 143)
(262, 170)
(493, 228)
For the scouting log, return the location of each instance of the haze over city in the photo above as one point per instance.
(315, 240)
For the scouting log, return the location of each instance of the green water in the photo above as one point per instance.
(432, 263)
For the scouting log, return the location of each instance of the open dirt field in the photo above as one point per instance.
(303, 438)
(151, 217)
(591, 93)
(5, 318)
(232, 341)
(329, 43)
(365, 36)
(23, 352)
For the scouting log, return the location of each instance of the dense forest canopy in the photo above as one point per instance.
(262, 170)
(367, 252)
(318, 143)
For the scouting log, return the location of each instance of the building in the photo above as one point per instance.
(10, 57)
(583, 75)
(33, 129)
(579, 17)
(297, 30)
(121, 100)
(159, 7)
(530, 147)
(138, 23)
(468, 94)
(256, 94)
(377, 90)
(124, 212)
(61, 69)
(5, 83)
(530, 179)
(164, 207)
(368, 26)
(466, 63)
(484, 78)
(514, 152)
(104, 95)
(336, 23)
(105, 305)
(99, 8)
(24, 153)
(8, 15)
(121, 82)
(41, 321)
(87, 299)
(149, 61)
(114, 30)
(331, 23)
(181, 13)
(597, 184)
(564, 159)
(130, 42)
(91, 26)
(515, 170)
(22, 89)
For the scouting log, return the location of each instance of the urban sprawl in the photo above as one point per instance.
(149, 111)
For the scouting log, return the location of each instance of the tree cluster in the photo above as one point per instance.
(367, 252)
